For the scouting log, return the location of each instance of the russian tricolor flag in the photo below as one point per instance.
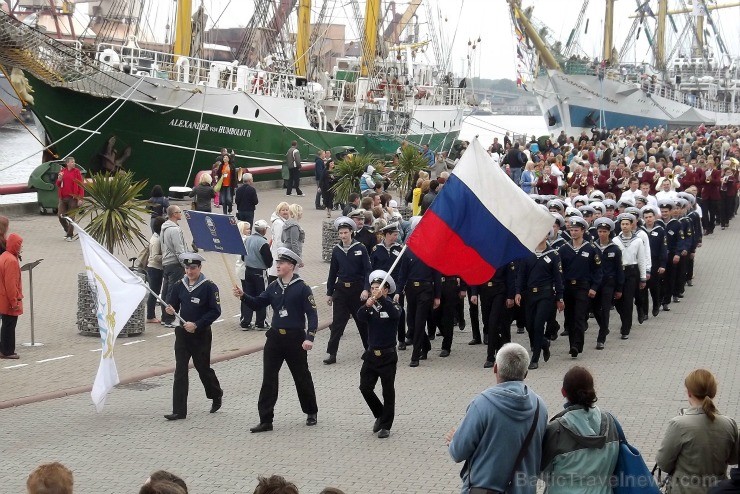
(479, 221)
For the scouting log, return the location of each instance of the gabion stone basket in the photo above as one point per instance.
(87, 321)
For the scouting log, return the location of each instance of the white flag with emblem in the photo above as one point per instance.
(118, 293)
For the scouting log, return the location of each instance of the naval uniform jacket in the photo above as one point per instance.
(611, 266)
(382, 323)
(199, 304)
(674, 238)
(658, 249)
(382, 257)
(348, 265)
(292, 305)
(581, 266)
(538, 271)
(413, 270)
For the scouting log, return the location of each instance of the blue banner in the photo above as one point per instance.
(215, 232)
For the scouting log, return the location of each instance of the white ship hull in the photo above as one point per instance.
(575, 102)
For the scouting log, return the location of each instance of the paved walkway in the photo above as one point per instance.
(640, 380)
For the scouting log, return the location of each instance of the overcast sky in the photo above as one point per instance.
(494, 57)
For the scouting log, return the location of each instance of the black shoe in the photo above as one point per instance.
(599, 346)
(689, 283)
(656, 311)
(424, 355)
(676, 300)
(376, 425)
(485, 339)
(331, 359)
(564, 333)
(533, 365)
(217, 402)
(174, 416)
(519, 330)
(414, 363)
(640, 318)
(546, 353)
(409, 342)
(573, 352)
(383, 433)
(552, 336)
(402, 346)
(488, 364)
(625, 337)
(474, 342)
(431, 337)
(263, 327)
(444, 353)
(680, 295)
(245, 326)
(261, 427)
(311, 419)
(462, 326)
(439, 333)
(666, 308)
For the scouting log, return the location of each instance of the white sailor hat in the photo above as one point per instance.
(583, 199)
(596, 194)
(578, 221)
(666, 204)
(356, 213)
(641, 199)
(610, 203)
(587, 210)
(633, 211)
(555, 203)
(598, 206)
(688, 197)
(569, 211)
(559, 219)
(604, 223)
(543, 207)
(378, 275)
(345, 222)
(391, 228)
(626, 216)
(535, 197)
(651, 209)
(626, 203)
(190, 258)
(285, 254)
(681, 202)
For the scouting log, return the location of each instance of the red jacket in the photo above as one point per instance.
(11, 291)
(547, 188)
(710, 191)
(70, 183)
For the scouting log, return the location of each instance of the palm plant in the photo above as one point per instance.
(348, 172)
(111, 203)
(410, 163)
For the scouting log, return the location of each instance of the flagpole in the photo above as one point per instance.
(232, 277)
(393, 266)
(141, 282)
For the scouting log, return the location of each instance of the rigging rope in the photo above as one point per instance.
(197, 138)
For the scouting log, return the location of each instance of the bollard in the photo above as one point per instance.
(29, 267)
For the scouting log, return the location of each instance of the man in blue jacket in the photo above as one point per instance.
(495, 425)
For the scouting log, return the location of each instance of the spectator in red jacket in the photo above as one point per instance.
(69, 184)
(4, 223)
(11, 295)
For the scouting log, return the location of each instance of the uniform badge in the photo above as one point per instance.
(585, 254)
(358, 252)
(547, 259)
(312, 301)
(597, 259)
(218, 300)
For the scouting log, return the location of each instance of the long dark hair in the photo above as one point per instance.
(157, 191)
(578, 387)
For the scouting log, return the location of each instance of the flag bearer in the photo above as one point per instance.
(196, 299)
(612, 279)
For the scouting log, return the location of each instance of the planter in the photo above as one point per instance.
(87, 321)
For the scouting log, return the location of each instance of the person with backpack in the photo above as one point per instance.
(157, 206)
(293, 162)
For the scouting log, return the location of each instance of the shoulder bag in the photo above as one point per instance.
(519, 458)
(631, 475)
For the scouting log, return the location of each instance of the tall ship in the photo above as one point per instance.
(163, 112)
(686, 80)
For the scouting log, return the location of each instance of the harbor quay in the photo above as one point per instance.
(639, 380)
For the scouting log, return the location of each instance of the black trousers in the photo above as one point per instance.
(727, 208)
(537, 307)
(669, 280)
(287, 348)
(294, 181)
(402, 319)
(247, 216)
(444, 315)
(690, 267)
(154, 278)
(381, 367)
(419, 302)
(624, 305)
(198, 347)
(711, 210)
(654, 287)
(496, 323)
(601, 305)
(345, 303)
(253, 284)
(679, 286)
(576, 311)
(7, 334)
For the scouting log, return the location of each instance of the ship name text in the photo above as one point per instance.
(215, 129)
(585, 88)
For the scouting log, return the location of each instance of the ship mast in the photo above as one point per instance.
(372, 16)
(183, 28)
(608, 47)
(303, 36)
(531, 32)
(698, 51)
(660, 35)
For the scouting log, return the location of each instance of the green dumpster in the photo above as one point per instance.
(43, 180)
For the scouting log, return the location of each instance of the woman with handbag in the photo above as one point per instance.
(202, 194)
(581, 443)
(700, 443)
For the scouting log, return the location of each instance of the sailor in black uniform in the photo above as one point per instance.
(495, 298)
(539, 286)
(293, 305)
(612, 279)
(674, 246)
(382, 257)
(380, 360)
(197, 300)
(687, 225)
(363, 233)
(558, 237)
(698, 235)
(346, 287)
(658, 255)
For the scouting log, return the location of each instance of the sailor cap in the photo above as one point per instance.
(604, 223)
(610, 203)
(378, 275)
(391, 228)
(559, 219)
(626, 203)
(598, 206)
(190, 258)
(583, 199)
(345, 222)
(633, 211)
(627, 216)
(666, 204)
(597, 194)
(356, 213)
(586, 210)
(569, 211)
(285, 254)
(577, 221)
(556, 204)
(649, 209)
